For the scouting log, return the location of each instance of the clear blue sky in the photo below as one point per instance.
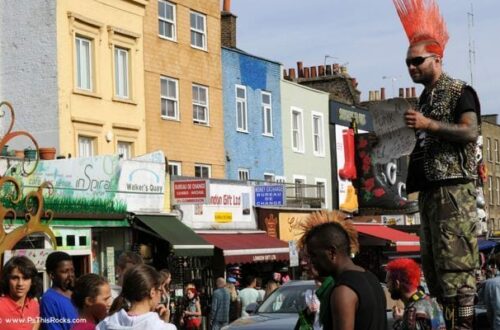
(368, 36)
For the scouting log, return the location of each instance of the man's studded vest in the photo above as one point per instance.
(444, 159)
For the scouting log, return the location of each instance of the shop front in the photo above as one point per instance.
(223, 214)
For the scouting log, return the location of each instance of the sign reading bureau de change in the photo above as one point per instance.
(269, 195)
(190, 192)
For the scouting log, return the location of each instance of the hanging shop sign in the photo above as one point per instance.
(190, 192)
(343, 114)
(269, 195)
(100, 184)
(290, 226)
(229, 206)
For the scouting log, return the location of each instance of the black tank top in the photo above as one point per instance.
(371, 312)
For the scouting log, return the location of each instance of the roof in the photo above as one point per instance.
(403, 242)
(247, 248)
(242, 52)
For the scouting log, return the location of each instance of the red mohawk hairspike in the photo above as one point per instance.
(423, 22)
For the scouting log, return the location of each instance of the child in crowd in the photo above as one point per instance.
(192, 314)
(92, 297)
(138, 305)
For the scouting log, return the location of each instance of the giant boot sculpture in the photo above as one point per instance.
(350, 204)
(375, 196)
(348, 172)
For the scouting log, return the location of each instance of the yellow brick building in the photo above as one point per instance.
(101, 77)
(183, 85)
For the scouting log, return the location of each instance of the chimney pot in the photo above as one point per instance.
(370, 96)
(321, 70)
(407, 93)
(291, 73)
(306, 73)
(227, 6)
(313, 72)
(382, 93)
(377, 95)
(402, 92)
(300, 70)
(328, 70)
(336, 68)
(343, 69)
(413, 92)
(284, 74)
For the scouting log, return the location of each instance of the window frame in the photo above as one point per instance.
(127, 71)
(302, 189)
(491, 200)
(267, 128)
(166, 98)
(91, 64)
(196, 30)
(175, 164)
(205, 122)
(243, 101)
(324, 182)
(271, 175)
(300, 138)
(488, 150)
(203, 166)
(167, 21)
(497, 189)
(280, 179)
(497, 151)
(244, 172)
(93, 146)
(321, 134)
(130, 146)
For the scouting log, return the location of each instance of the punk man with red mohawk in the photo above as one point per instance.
(421, 311)
(442, 165)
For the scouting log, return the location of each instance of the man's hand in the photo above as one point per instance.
(397, 313)
(417, 120)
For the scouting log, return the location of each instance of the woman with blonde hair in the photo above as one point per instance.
(234, 304)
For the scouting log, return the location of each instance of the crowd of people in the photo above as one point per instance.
(141, 299)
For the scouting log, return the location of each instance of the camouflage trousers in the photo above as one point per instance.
(448, 243)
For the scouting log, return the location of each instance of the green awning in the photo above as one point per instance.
(102, 223)
(185, 242)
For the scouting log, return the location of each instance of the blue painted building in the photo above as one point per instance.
(252, 116)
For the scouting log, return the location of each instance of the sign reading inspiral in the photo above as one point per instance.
(100, 184)
(269, 195)
(190, 192)
(395, 139)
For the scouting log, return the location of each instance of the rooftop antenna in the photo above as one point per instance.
(393, 80)
(472, 50)
(329, 56)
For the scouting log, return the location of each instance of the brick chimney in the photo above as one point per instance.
(382, 93)
(228, 26)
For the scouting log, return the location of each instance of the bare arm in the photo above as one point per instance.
(466, 130)
(344, 303)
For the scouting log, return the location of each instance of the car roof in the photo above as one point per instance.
(299, 283)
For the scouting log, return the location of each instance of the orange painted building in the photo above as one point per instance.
(183, 85)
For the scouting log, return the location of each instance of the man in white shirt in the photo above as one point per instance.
(249, 294)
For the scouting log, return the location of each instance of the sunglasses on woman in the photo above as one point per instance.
(416, 61)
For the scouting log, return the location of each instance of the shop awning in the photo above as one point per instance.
(485, 244)
(185, 242)
(403, 242)
(83, 223)
(251, 247)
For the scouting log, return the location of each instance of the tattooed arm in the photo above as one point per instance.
(466, 130)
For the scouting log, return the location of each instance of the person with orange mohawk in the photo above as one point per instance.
(443, 165)
(421, 311)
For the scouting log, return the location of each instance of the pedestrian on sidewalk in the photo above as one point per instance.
(421, 312)
(138, 305)
(92, 298)
(219, 315)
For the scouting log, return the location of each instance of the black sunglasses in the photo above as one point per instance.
(416, 61)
